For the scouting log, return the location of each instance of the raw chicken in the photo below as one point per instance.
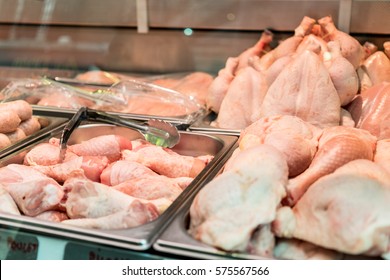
(342, 73)
(7, 203)
(220, 85)
(137, 180)
(382, 154)
(366, 168)
(314, 44)
(32, 191)
(377, 66)
(92, 166)
(97, 76)
(294, 249)
(258, 50)
(346, 118)
(364, 80)
(286, 47)
(124, 170)
(262, 242)
(59, 99)
(345, 212)
(337, 146)
(305, 27)
(52, 216)
(386, 47)
(87, 199)
(304, 89)
(240, 107)
(249, 192)
(296, 139)
(135, 214)
(195, 86)
(369, 48)
(370, 110)
(274, 70)
(43, 154)
(166, 162)
(150, 188)
(105, 145)
(350, 47)
(158, 106)
(61, 171)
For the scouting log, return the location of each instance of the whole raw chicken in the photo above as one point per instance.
(344, 211)
(304, 89)
(249, 192)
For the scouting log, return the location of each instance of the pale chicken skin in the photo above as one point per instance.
(219, 87)
(110, 146)
(249, 192)
(296, 139)
(240, 107)
(345, 212)
(377, 66)
(382, 154)
(45, 158)
(367, 168)
(294, 249)
(124, 170)
(7, 203)
(32, 191)
(137, 180)
(370, 110)
(342, 73)
(87, 199)
(52, 216)
(44, 153)
(304, 89)
(135, 215)
(166, 162)
(150, 188)
(350, 47)
(337, 146)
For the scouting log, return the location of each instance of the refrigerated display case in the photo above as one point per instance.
(149, 39)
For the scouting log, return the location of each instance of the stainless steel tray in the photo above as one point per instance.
(176, 240)
(48, 123)
(203, 124)
(138, 238)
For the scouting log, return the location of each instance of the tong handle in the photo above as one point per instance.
(103, 117)
(73, 123)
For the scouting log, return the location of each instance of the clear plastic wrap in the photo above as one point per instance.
(125, 96)
(46, 92)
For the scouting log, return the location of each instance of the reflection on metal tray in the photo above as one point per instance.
(141, 237)
(48, 123)
(181, 122)
(203, 124)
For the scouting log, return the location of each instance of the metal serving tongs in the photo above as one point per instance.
(157, 132)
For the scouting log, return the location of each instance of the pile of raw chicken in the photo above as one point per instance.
(16, 122)
(106, 182)
(311, 175)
